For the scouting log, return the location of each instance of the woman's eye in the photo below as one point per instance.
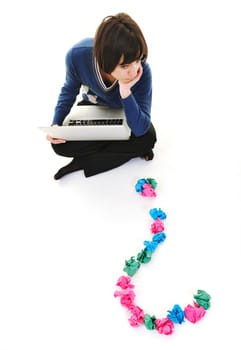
(126, 66)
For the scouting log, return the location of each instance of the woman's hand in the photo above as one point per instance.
(125, 88)
(53, 140)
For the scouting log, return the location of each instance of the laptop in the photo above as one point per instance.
(91, 123)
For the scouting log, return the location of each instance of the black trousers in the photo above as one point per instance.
(99, 156)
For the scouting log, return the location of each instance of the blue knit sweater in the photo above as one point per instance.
(82, 76)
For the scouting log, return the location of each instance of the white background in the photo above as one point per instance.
(63, 244)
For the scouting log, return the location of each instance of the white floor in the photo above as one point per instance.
(63, 245)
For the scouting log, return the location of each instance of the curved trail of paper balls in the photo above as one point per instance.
(137, 316)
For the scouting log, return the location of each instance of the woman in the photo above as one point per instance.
(110, 70)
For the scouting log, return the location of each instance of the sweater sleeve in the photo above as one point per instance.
(68, 92)
(137, 106)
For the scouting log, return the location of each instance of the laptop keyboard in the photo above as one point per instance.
(91, 122)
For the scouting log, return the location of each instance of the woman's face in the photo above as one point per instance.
(126, 72)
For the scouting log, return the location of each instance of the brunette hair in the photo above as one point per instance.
(118, 36)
